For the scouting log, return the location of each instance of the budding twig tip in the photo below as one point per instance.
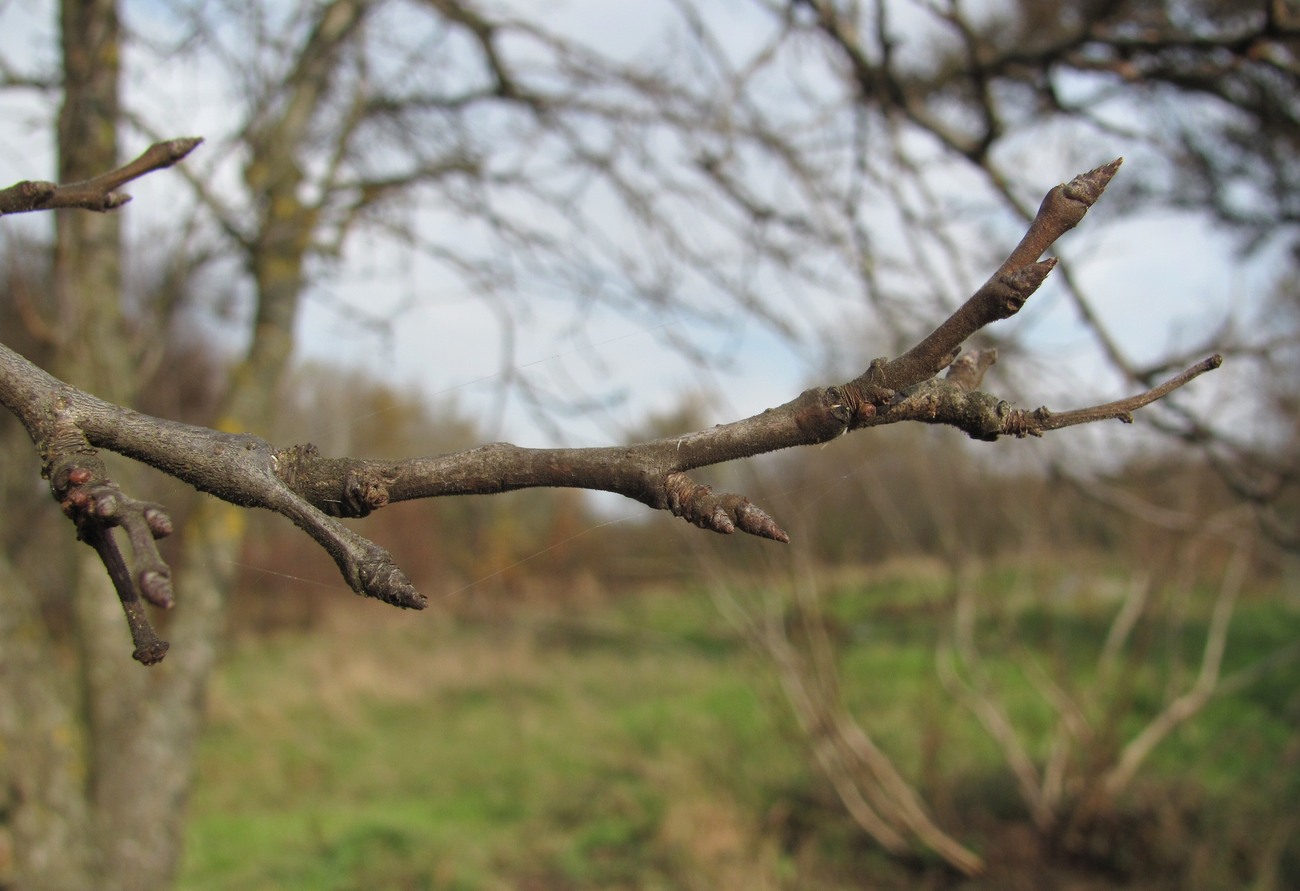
(183, 145)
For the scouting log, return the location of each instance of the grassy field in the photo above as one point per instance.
(640, 744)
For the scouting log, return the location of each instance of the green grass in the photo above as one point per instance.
(638, 744)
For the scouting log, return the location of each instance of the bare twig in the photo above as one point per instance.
(654, 472)
(100, 193)
(1003, 294)
(1041, 420)
(96, 505)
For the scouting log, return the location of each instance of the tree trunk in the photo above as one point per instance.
(130, 784)
(101, 805)
(44, 819)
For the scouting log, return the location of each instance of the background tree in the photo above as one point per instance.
(68, 426)
(346, 126)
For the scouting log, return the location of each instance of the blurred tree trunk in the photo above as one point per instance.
(51, 782)
(99, 755)
(53, 767)
(45, 824)
(138, 731)
(276, 254)
(103, 805)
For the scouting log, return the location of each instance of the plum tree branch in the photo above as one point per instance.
(69, 427)
(654, 472)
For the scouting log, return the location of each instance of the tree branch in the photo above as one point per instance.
(654, 472)
(68, 426)
(100, 193)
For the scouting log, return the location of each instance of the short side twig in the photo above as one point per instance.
(96, 505)
(99, 194)
(1035, 423)
(1002, 295)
